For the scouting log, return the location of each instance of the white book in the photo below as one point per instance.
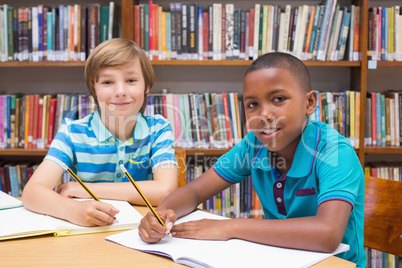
(286, 28)
(301, 31)
(8, 202)
(231, 253)
(217, 32)
(25, 223)
(229, 30)
(111, 20)
(281, 33)
(257, 26)
(298, 29)
(35, 34)
(332, 48)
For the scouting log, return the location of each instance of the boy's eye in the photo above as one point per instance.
(131, 80)
(279, 99)
(252, 105)
(106, 82)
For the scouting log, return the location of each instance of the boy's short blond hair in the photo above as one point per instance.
(117, 52)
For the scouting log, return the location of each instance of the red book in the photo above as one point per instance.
(251, 31)
(227, 118)
(3, 179)
(30, 120)
(137, 24)
(151, 29)
(164, 106)
(223, 45)
(35, 120)
(52, 113)
(39, 141)
(205, 35)
(155, 37)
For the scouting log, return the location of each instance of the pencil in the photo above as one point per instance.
(143, 196)
(69, 170)
(80, 182)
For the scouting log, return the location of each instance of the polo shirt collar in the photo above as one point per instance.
(306, 151)
(304, 155)
(103, 134)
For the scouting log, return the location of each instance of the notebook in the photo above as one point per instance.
(231, 253)
(20, 222)
(7, 201)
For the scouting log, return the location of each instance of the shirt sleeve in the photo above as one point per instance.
(162, 144)
(61, 148)
(235, 165)
(340, 174)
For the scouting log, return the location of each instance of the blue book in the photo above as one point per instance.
(343, 35)
(386, 21)
(378, 117)
(314, 30)
(383, 32)
(324, 28)
(61, 31)
(15, 186)
(168, 36)
(49, 39)
(8, 121)
(40, 29)
(383, 132)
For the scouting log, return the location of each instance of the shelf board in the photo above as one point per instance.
(389, 63)
(383, 150)
(23, 152)
(42, 64)
(198, 151)
(175, 63)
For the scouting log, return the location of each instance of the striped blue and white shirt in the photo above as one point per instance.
(95, 155)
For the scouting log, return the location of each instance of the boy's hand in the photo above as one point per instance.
(151, 231)
(91, 213)
(204, 229)
(72, 189)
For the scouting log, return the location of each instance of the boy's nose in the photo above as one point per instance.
(120, 90)
(266, 114)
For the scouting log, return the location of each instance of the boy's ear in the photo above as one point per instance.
(311, 101)
(147, 91)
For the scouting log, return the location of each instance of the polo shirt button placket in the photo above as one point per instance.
(279, 185)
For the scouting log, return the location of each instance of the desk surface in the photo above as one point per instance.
(92, 250)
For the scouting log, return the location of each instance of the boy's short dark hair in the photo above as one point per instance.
(283, 61)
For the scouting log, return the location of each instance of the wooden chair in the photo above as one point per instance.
(383, 215)
(181, 161)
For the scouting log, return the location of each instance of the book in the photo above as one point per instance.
(231, 253)
(24, 223)
(7, 201)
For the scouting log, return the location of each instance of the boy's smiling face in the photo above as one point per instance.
(276, 108)
(120, 91)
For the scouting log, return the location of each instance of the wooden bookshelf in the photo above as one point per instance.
(358, 70)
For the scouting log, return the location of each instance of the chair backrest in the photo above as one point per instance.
(383, 215)
(181, 161)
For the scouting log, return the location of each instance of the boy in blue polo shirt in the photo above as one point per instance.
(119, 76)
(307, 176)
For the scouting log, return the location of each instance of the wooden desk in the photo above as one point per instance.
(92, 250)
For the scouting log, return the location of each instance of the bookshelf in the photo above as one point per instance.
(70, 74)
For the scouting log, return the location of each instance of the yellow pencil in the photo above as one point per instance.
(142, 196)
(69, 170)
(80, 182)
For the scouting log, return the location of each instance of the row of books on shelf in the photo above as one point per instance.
(222, 31)
(198, 120)
(383, 119)
(379, 259)
(31, 121)
(13, 177)
(58, 33)
(237, 201)
(385, 33)
(389, 171)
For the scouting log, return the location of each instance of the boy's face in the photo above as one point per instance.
(120, 91)
(276, 108)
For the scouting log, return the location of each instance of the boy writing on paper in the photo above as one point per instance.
(307, 176)
(119, 76)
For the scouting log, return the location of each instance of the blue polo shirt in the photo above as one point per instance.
(95, 155)
(325, 167)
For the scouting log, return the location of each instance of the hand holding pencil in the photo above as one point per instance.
(143, 196)
(99, 207)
